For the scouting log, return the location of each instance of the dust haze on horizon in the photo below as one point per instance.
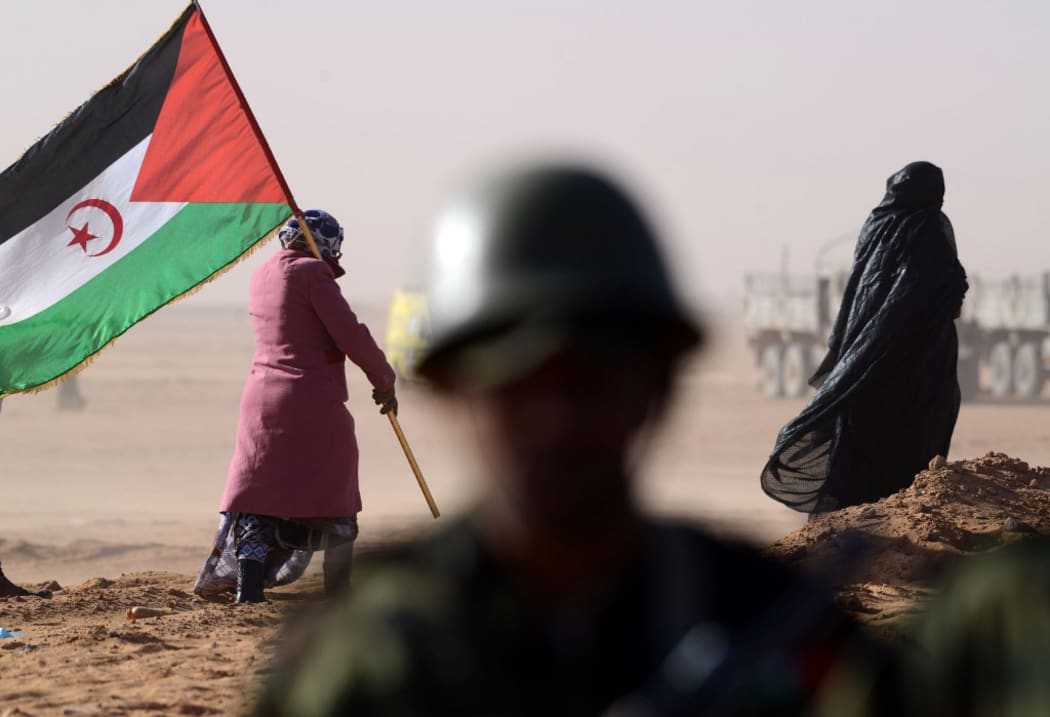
(745, 127)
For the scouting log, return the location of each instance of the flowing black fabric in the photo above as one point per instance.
(887, 392)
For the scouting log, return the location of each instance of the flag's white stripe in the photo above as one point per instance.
(38, 268)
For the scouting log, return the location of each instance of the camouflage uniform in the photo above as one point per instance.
(984, 640)
(442, 628)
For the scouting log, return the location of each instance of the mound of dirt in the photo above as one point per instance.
(890, 554)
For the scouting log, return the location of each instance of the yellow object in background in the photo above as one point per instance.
(407, 332)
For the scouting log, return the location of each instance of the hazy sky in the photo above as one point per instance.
(748, 126)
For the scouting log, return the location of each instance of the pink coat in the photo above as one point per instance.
(296, 454)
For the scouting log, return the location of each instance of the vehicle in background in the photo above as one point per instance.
(407, 332)
(1004, 332)
(1011, 333)
(788, 319)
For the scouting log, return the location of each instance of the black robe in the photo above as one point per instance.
(887, 392)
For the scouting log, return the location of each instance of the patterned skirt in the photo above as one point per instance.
(284, 546)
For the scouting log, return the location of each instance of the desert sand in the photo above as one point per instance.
(115, 506)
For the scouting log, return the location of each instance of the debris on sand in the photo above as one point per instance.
(907, 539)
(140, 612)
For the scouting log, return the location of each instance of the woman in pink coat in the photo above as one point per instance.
(292, 486)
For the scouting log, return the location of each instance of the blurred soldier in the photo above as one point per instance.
(556, 329)
(984, 641)
(292, 485)
(888, 389)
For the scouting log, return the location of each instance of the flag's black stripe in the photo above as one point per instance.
(94, 136)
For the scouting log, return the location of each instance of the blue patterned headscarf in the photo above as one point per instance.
(327, 233)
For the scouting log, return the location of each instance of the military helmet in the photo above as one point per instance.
(531, 260)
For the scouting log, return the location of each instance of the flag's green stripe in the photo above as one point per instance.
(198, 241)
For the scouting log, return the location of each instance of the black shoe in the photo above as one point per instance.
(250, 575)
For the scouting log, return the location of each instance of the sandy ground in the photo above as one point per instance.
(117, 503)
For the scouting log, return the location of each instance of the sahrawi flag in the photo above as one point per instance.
(153, 186)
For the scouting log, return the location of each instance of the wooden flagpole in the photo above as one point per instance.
(412, 462)
(306, 233)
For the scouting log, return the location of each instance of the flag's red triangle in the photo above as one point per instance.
(203, 147)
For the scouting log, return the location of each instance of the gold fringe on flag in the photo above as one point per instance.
(189, 292)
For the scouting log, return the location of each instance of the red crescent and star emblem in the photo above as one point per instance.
(83, 235)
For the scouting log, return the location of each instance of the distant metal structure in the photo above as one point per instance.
(788, 319)
(1009, 329)
(1004, 331)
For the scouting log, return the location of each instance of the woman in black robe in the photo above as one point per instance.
(887, 392)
